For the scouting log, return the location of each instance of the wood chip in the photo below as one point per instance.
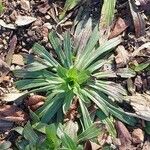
(24, 20)
(137, 136)
(18, 59)
(12, 113)
(9, 26)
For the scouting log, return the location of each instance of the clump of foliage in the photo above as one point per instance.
(54, 137)
(74, 72)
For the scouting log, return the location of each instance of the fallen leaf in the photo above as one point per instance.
(9, 26)
(138, 52)
(137, 136)
(12, 113)
(43, 8)
(126, 72)
(25, 4)
(120, 26)
(9, 97)
(17, 59)
(24, 20)
(138, 21)
(11, 49)
(122, 57)
(71, 129)
(35, 101)
(141, 105)
(88, 146)
(146, 145)
(5, 145)
(4, 69)
(124, 136)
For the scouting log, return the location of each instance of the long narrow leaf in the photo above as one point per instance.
(31, 83)
(41, 51)
(57, 47)
(68, 49)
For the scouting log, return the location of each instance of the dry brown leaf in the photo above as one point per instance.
(141, 105)
(35, 101)
(43, 8)
(9, 26)
(139, 23)
(12, 46)
(137, 136)
(87, 146)
(25, 4)
(24, 20)
(138, 51)
(12, 96)
(120, 26)
(12, 113)
(124, 135)
(122, 57)
(4, 69)
(146, 145)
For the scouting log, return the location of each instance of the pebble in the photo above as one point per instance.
(25, 4)
(47, 17)
(137, 136)
(48, 25)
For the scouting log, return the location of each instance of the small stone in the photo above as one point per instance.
(48, 25)
(13, 15)
(1, 46)
(17, 59)
(38, 22)
(25, 4)
(47, 17)
(137, 136)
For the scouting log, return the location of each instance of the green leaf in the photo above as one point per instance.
(1, 7)
(106, 47)
(89, 133)
(34, 117)
(83, 76)
(68, 49)
(108, 122)
(57, 47)
(5, 145)
(67, 101)
(141, 67)
(62, 72)
(97, 99)
(111, 89)
(85, 114)
(29, 134)
(101, 75)
(107, 13)
(36, 66)
(119, 113)
(72, 73)
(67, 142)
(147, 127)
(52, 138)
(41, 51)
(89, 47)
(69, 4)
(126, 72)
(31, 83)
(97, 65)
(52, 108)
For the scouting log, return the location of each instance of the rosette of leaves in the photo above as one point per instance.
(73, 71)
